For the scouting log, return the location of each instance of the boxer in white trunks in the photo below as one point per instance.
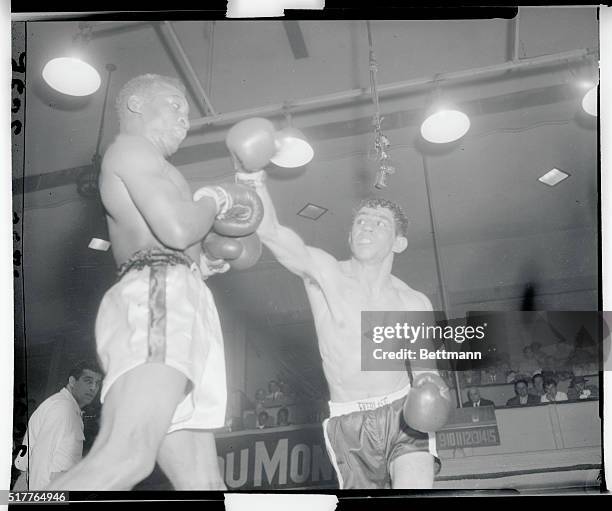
(157, 332)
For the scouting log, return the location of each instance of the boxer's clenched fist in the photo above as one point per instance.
(252, 144)
(239, 208)
(240, 253)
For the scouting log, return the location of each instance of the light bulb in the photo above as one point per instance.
(589, 101)
(293, 149)
(71, 76)
(445, 126)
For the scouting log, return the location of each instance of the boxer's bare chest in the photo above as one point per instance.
(177, 179)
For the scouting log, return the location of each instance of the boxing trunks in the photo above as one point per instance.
(363, 437)
(161, 311)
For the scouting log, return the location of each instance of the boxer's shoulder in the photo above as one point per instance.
(130, 153)
(323, 262)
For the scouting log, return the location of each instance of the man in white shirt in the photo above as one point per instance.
(552, 395)
(54, 438)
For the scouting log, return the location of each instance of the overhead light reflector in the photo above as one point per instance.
(553, 177)
(445, 126)
(293, 149)
(589, 101)
(71, 76)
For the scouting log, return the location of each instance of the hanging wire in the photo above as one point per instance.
(381, 142)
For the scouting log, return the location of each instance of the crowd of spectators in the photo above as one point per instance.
(269, 408)
(554, 373)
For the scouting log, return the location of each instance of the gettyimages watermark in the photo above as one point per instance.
(513, 342)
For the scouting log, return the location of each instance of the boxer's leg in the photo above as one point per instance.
(135, 418)
(189, 459)
(413, 470)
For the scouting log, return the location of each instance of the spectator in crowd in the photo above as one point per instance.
(493, 373)
(549, 365)
(552, 395)
(563, 349)
(497, 371)
(54, 437)
(286, 391)
(528, 366)
(564, 375)
(469, 377)
(505, 368)
(282, 417)
(262, 420)
(260, 397)
(510, 376)
(538, 354)
(274, 391)
(580, 390)
(474, 399)
(538, 385)
(584, 362)
(523, 397)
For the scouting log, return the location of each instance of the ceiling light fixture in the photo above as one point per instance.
(293, 147)
(586, 78)
(312, 211)
(553, 177)
(444, 123)
(70, 74)
(589, 101)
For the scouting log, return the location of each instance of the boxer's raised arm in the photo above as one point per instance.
(288, 247)
(176, 220)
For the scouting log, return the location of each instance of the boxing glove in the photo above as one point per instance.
(252, 144)
(239, 208)
(209, 266)
(251, 252)
(217, 247)
(240, 253)
(427, 405)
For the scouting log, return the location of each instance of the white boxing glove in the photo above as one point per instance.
(252, 179)
(210, 267)
(223, 200)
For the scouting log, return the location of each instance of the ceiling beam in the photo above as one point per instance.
(325, 131)
(185, 64)
(296, 39)
(364, 93)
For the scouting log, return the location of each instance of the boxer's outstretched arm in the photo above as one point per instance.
(177, 221)
(288, 247)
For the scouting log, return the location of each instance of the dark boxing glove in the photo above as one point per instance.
(241, 253)
(239, 208)
(251, 253)
(428, 404)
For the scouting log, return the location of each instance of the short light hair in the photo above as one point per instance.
(401, 220)
(144, 86)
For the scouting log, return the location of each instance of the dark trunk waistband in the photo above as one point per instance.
(153, 257)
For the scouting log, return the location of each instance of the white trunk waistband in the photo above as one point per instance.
(369, 403)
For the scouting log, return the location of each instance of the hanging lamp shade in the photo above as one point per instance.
(444, 126)
(71, 76)
(293, 148)
(589, 101)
